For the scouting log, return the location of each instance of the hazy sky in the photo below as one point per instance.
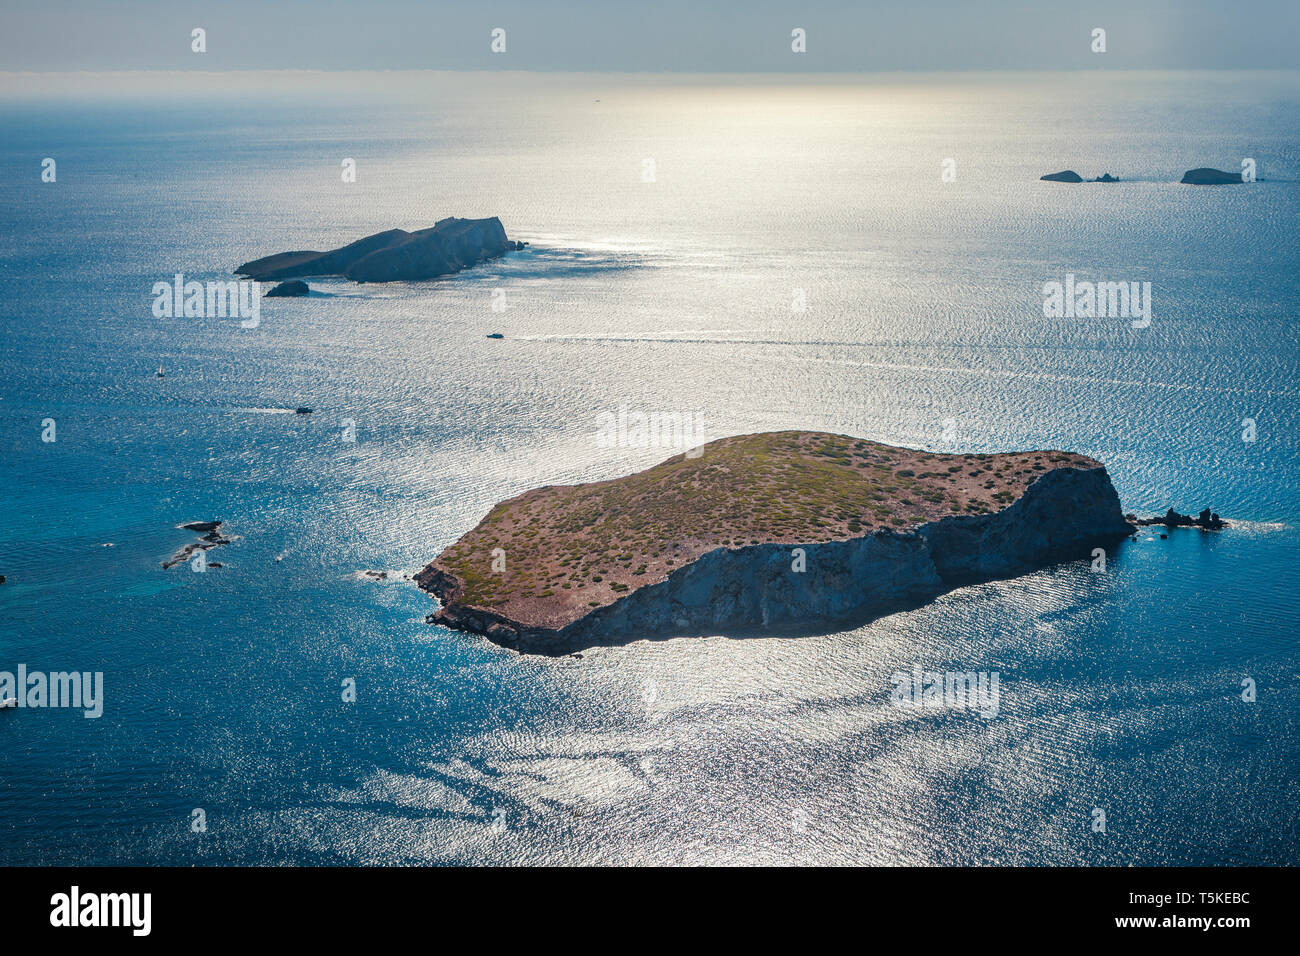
(650, 35)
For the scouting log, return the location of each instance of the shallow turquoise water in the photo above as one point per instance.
(924, 327)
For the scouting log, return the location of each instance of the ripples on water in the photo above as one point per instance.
(1119, 690)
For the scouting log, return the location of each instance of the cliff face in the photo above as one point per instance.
(450, 245)
(1061, 516)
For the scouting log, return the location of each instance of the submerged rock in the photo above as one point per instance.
(783, 532)
(1205, 176)
(447, 247)
(202, 527)
(211, 538)
(295, 287)
(1065, 176)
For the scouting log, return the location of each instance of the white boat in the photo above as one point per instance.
(9, 702)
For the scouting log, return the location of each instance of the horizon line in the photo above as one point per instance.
(579, 72)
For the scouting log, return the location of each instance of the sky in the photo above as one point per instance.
(669, 36)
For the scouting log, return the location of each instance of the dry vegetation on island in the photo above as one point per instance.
(571, 548)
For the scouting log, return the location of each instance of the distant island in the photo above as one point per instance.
(1203, 176)
(1064, 176)
(779, 532)
(396, 255)
(1070, 176)
(294, 288)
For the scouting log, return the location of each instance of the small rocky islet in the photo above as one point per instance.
(779, 532)
(1070, 176)
(1207, 520)
(211, 537)
(294, 288)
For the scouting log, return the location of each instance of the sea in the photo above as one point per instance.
(861, 254)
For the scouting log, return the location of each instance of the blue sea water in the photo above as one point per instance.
(924, 326)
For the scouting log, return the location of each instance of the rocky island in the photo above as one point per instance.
(1070, 176)
(780, 532)
(1205, 176)
(446, 247)
(294, 288)
(212, 538)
